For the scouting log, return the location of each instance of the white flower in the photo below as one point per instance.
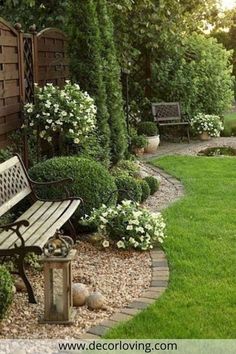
(140, 229)
(148, 227)
(120, 244)
(105, 221)
(42, 133)
(76, 141)
(49, 139)
(48, 104)
(129, 227)
(71, 131)
(126, 202)
(134, 222)
(106, 244)
(136, 214)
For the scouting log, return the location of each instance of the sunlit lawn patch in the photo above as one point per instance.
(201, 250)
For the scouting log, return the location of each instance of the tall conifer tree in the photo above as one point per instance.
(111, 72)
(85, 49)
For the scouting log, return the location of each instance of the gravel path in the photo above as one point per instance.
(191, 149)
(170, 189)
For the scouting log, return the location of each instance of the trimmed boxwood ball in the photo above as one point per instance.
(147, 129)
(92, 181)
(145, 189)
(6, 291)
(126, 167)
(153, 183)
(128, 188)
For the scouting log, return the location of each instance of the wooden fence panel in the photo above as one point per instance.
(25, 59)
(11, 84)
(52, 65)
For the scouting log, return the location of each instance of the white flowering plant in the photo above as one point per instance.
(127, 225)
(210, 124)
(67, 111)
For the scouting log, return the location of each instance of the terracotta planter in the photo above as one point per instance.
(138, 151)
(153, 143)
(204, 136)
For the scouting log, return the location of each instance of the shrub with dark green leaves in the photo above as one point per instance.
(147, 129)
(153, 183)
(91, 181)
(145, 189)
(128, 188)
(6, 291)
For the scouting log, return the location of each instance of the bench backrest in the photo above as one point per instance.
(14, 184)
(166, 111)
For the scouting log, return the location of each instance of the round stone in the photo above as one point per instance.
(80, 294)
(20, 285)
(95, 301)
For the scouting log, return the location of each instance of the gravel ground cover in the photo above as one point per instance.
(119, 276)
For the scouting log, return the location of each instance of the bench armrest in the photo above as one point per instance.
(50, 183)
(61, 182)
(15, 224)
(15, 227)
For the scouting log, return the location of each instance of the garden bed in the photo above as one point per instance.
(120, 276)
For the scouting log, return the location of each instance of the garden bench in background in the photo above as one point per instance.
(31, 231)
(167, 114)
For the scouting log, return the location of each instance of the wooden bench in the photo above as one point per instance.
(31, 231)
(168, 114)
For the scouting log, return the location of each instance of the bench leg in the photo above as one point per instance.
(188, 135)
(73, 233)
(21, 268)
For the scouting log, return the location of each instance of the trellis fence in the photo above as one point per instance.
(26, 58)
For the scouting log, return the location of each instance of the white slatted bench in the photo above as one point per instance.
(30, 232)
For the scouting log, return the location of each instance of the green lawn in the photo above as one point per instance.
(230, 124)
(201, 249)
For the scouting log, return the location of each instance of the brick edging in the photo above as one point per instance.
(158, 285)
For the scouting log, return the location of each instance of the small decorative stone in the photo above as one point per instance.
(20, 285)
(80, 294)
(13, 289)
(96, 301)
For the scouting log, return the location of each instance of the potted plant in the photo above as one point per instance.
(207, 126)
(150, 130)
(138, 143)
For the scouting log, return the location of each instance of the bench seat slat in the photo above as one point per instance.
(46, 234)
(41, 216)
(173, 123)
(46, 221)
(26, 216)
(37, 218)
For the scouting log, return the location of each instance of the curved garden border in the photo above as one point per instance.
(160, 273)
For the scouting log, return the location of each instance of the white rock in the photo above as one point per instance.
(80, 294)
(20, 285)
(95, 301)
